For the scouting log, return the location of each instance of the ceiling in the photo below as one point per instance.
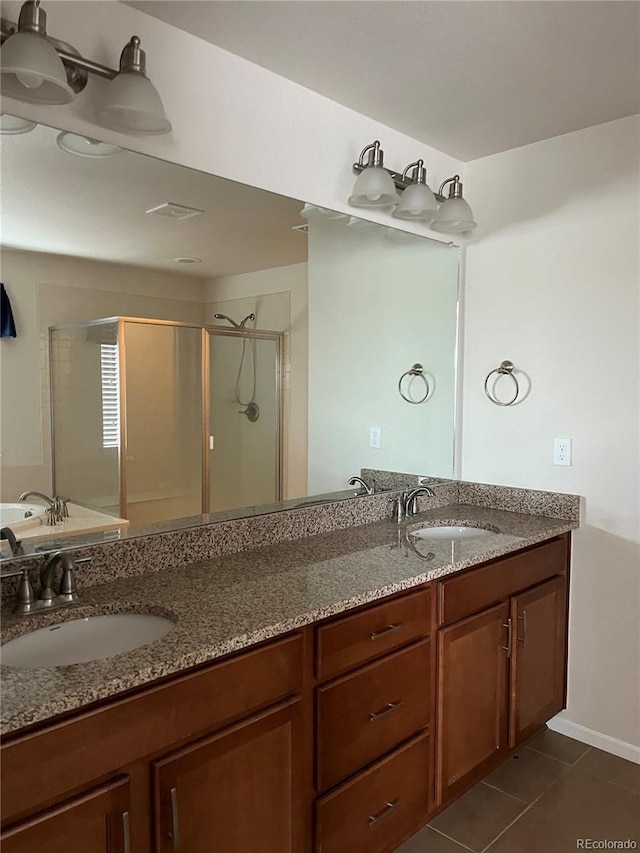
(469, 77)
(56, 202)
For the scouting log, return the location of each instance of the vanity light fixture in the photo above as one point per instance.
(377, 186)
(374, 186)
(38, 69)
(454, 215)
(417, 201)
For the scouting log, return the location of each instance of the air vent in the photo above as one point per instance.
(174, 211)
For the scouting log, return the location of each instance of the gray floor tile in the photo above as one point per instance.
(527, 775)
(534, 832)
(478, 817)
(430, 841)
(558, 746)
(610, 767)
(592, 808)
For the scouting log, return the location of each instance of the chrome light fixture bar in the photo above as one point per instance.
(378, 186)
(36, 68)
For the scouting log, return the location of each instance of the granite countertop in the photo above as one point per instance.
(231, 602)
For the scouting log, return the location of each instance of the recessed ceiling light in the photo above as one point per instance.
(14, 124)
(82, 146)
(188, 260)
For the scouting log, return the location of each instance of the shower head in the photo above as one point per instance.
(224, 317)
(248, 317)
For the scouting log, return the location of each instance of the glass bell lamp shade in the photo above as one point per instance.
(374, 187)
(33, 72)
(132, 105)
(454, 217)
(418, 203)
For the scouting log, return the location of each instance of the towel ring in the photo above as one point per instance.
(505, 369)
(416, 370)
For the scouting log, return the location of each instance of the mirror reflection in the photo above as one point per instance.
(187, 345)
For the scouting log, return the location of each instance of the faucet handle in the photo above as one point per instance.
(398, 507)
(24, 595)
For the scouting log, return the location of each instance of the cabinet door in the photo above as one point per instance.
(235, 791)
(538, 657)
(472, 699)
(95, 822)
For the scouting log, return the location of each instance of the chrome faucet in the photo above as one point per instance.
(411, 499)
(368, 490)
(49, 501)
(27, 603)
(56, 507)
(406, 504)
(15, 544)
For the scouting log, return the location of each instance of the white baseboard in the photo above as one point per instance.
(593, 738)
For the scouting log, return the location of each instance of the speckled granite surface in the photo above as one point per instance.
(228, 603)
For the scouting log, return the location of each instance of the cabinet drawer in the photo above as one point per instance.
(363, 715)
(353, 640)
(376, 810)
(73, 752)
(480, 588)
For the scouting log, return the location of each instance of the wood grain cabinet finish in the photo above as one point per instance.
(223, 759)
(538, 657)
(234, 792)
(94, 822)
(350, 641)
(365, 714)
(376, 810)
(472, 698)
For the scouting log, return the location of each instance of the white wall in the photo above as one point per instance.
(230, 117)
(552, 283)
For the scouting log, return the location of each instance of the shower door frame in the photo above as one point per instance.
(206, 331)
(242, 334)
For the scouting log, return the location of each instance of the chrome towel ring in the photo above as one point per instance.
(416, 370)
(505, 369)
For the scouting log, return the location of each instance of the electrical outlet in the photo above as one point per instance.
(374, 437)
(562, 451)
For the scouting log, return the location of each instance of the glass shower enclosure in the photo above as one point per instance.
(154, 420)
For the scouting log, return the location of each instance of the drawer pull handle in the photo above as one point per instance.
(175, 823)
(388, 709)
(522, 640)
(385, 812)
(376, 635)
(126, 835)
(509, 626)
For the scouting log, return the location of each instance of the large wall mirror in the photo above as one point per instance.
(187, 345)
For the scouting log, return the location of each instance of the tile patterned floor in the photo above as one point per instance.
(552, 793)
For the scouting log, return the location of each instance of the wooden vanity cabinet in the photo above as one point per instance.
(94, 822)
(346, 735)
(216, 760)
(502, 670)
(235, 791)
(374, 711)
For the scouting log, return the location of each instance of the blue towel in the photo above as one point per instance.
(7, 323)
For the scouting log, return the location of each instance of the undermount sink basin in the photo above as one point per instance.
(452, 532)
(83, 640)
